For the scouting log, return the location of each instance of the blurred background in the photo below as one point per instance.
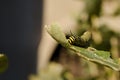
(34, 55)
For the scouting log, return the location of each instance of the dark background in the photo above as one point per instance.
(20, 26)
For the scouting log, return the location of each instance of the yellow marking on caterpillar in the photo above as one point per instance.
(69, 41)
(72, 38)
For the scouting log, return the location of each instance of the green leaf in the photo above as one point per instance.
(90, 54)
(101, 57)
(55, 31)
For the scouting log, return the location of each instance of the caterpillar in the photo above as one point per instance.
(81, 41)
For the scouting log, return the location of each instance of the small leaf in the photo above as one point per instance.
(91, 54)
(55, 31)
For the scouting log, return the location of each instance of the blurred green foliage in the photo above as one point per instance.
(3, 63)
(53, 71)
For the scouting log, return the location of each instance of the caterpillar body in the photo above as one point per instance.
(81, 41)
